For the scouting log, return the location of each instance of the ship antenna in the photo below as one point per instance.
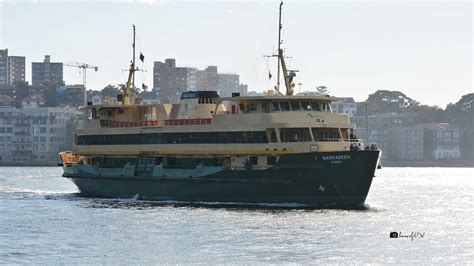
(130, 87)
(279, 48)
(287, 75)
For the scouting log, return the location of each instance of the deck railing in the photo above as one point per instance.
(192, 121)
(143, 123)
(156, 123)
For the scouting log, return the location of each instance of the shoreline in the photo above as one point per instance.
(443, 164)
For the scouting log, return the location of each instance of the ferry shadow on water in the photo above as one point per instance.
(136, 204)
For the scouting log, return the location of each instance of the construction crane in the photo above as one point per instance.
(84, 67)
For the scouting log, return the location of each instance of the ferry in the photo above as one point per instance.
(272, 149)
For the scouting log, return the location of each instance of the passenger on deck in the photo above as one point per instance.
(247, 165)
(352, 135)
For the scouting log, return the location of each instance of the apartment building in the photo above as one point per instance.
(46, 71)
(35, 135)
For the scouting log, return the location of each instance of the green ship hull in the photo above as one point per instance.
(312, 179)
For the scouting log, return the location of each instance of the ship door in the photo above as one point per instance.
(271, 135)
(145, 166)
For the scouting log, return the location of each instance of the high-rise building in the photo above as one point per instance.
(227, 84)
(16, 69)
(243, 89)
(207, 79)
(3, 68)
(170, 81)
(46, 72)
(12, 69)
(224, 83)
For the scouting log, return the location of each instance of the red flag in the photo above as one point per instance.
(269, 75)
(142, 57)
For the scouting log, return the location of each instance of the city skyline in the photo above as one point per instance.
(352, 48)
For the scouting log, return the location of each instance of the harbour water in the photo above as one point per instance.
(44, 221)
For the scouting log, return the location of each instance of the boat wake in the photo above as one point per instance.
(35, 191)
(25, 193)
(136, 202)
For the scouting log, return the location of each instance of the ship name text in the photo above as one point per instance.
(336, 157)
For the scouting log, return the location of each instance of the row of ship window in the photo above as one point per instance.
(175, 138)
(148, 163)
(284, 106)
(286, 135)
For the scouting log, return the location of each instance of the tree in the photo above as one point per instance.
(110, 90)
(22, 89)
(461, 114)
(384, 101)
(147, 95)
(92, 93)
(48, 90)
(426, 114)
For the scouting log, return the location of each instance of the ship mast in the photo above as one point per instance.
(288, 77)
(129, 91)
(279, 50)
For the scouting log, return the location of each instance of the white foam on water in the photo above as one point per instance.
(36, 191)
(136, 197)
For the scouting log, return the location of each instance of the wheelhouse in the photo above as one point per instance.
(277, 104)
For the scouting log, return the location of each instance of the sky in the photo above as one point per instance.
(423, 49)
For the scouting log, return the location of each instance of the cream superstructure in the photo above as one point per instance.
(291, 124)
(204, 124)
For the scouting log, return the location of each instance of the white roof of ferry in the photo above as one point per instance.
(237, 98)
